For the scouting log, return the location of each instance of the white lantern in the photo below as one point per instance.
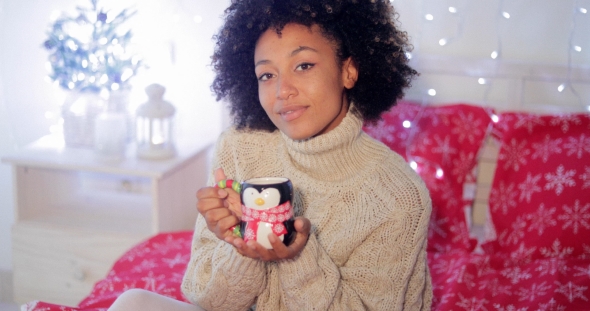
(154, 120)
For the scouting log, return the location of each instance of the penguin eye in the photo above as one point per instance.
(272, 195)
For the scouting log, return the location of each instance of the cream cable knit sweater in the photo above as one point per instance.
(369, 213)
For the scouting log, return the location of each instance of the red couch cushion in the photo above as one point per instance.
(460, 280)
(540, 197)
(468, 281)
(442, 144)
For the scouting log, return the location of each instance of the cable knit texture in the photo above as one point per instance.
(369, 213)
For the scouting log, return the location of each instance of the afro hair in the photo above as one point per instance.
(362, 29)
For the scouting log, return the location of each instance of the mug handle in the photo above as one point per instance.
(237, 187)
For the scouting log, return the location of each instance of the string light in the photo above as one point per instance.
(501, 14)
(496, 53)
(407, 124)
(572, 47)
(504, 15)
(459, 29)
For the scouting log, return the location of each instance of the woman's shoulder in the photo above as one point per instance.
(396, 177)
(385, 158)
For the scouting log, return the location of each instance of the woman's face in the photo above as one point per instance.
(301, 83)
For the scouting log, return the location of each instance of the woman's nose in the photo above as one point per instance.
(285, 88)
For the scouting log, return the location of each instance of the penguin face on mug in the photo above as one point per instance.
(266, 193)
(261, 199)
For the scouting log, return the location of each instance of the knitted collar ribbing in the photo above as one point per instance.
(337, 155)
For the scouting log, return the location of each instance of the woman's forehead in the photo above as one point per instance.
(292, 37)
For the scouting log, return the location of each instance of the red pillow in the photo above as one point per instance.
(442, 144)
(157, 265)
(540, 197)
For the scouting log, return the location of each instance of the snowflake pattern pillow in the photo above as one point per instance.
(465, 282)
(540, 197)
(157, 265)
(442, 144)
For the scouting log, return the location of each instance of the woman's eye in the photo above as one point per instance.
(264, 77)
(304, 66)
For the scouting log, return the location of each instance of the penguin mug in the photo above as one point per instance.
(266, 208)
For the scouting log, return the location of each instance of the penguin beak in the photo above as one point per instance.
(259, 201)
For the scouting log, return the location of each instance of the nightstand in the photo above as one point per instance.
(75, 215)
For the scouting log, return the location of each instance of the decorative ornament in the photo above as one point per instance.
(89, 55)
(111, 130)
(90, 52)
(154, 120)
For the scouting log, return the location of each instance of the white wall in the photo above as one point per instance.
(534, 61)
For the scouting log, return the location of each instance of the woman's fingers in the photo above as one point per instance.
(279, 251)
(219, 175)
(302, 225)
(231, 199)
(221, 208)
(303, 228)
(219, 221)
(210, 198)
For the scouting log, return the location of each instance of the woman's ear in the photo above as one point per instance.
(350, 73)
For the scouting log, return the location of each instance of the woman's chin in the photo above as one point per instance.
(295, 134)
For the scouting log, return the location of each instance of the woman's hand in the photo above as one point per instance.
(221, 208)
(280, 251)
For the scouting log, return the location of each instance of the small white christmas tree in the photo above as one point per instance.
(90, 51)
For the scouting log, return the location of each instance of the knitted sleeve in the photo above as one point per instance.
(387, 271)
(217, 276)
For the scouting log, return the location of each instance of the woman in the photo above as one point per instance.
(301, 78)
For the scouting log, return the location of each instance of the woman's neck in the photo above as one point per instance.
(336, 155)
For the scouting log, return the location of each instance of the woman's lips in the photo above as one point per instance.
(291, 113)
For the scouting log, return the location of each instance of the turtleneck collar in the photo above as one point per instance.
(333, 156)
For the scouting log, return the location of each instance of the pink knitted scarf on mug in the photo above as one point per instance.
(275, 216)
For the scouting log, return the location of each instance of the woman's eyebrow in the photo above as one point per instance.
(295, 52)
(303, 48)
(261, 62)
